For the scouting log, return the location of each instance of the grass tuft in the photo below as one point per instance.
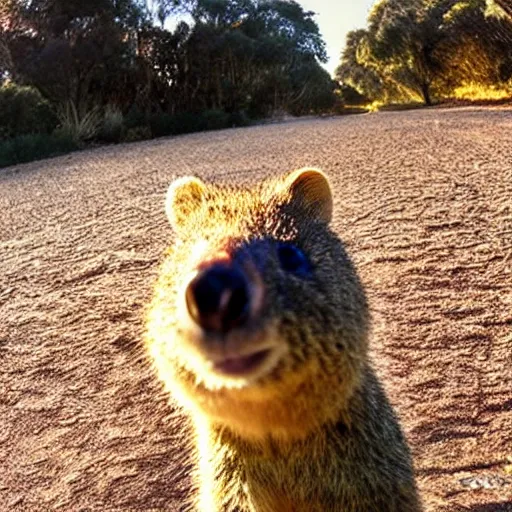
(79, 126)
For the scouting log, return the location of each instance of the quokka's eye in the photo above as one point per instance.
(293, 260)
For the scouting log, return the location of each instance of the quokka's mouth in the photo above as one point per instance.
(239, 366)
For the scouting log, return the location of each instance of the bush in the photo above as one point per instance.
(163, 124)
(189, 122)
(23, 110)
(137, 134)
(216, 119)
(112, 129)
(79, 126)
(351, 96)
(239, 119)
(135, 118)
(26, 148)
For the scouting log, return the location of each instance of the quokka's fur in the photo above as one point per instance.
(313, 431)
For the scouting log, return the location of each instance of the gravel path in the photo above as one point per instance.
(424, 202)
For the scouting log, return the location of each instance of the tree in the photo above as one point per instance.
(504, 5)
(251, 55)
(71, 50)
(426, 47)
(235, 55)
(356, 70)
(479, 45)
(407, 38)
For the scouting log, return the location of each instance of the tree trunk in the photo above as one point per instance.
(425, 91)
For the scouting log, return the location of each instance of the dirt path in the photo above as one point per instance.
(424, 202)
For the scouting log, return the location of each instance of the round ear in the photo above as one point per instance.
(184, 196)
(310, 187)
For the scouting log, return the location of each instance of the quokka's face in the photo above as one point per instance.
(251, 296)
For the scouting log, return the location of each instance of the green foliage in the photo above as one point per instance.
(162, 125)
(357, 71)
(500, 8)
(79, 126)
(239, 119)
(237, 53)
(26, 148)
(416, 49)
(135, 117)
(351, 96)
(234, 54)
(188, 122)
(23, 111)
(137, 134)
(112, 129)
(236, 60)
(216, 119)
(313, 90)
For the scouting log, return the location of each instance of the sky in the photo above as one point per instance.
(335, 18)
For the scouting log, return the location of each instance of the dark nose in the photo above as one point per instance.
(218, 298)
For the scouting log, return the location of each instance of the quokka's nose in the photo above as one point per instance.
(218, 298)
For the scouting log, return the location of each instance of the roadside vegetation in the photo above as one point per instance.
(429, 51)
(78, 73)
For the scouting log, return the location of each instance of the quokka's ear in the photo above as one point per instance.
(310, 187)
(184, 196)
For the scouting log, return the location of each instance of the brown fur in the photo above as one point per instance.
(315, 432)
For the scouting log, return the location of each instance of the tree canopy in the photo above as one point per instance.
(244, 57)
(256, 56)
(417, 48)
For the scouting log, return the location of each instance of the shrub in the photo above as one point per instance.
(26, 148)
(239, 119)
(23, 110)
(79, 126)
(135, 117)
(112, 129)
(216, 119)
(351, 96)
(137, 134)
(481, 92)
(162, 124)
(189, 122)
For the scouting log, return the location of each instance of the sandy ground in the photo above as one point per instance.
(424, 202)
